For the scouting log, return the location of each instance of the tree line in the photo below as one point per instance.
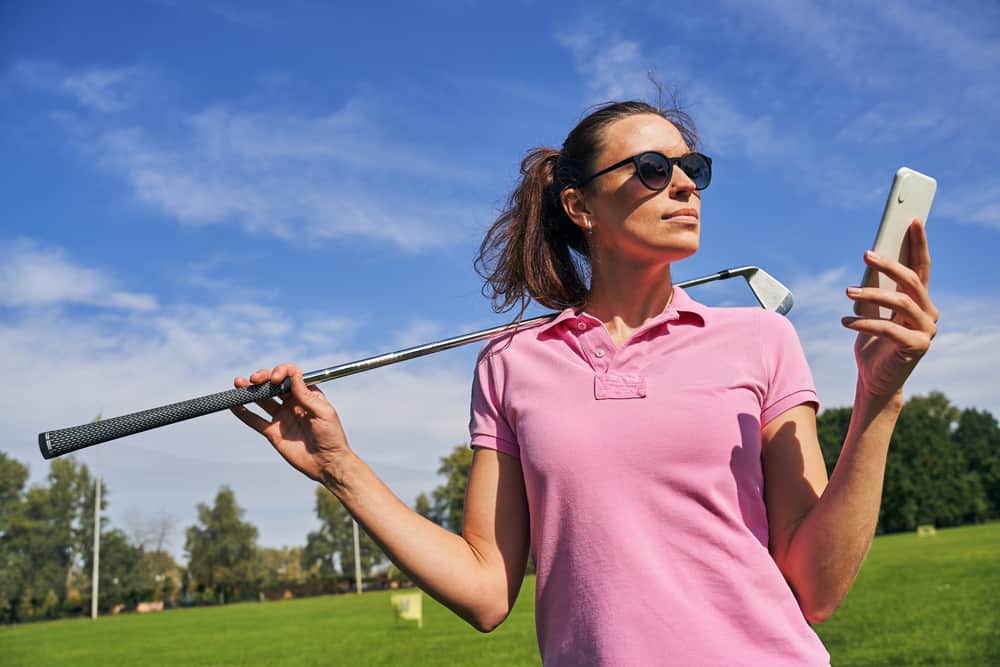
(943, 469)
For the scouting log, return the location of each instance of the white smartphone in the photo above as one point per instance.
(910, 197)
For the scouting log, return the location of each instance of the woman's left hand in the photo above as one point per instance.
(888, 350)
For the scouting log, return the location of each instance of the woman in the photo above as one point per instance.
(659, 457)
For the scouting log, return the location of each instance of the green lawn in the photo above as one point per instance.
(918, 601)
(923, 601)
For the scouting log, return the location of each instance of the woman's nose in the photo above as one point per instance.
(680, 181)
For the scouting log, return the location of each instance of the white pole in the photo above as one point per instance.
(97, 538)
(357, 558)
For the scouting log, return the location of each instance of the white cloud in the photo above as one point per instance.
(298, 178)
(946, 29)
(897, 121)
(34, 276)
(838, 38)
(976, 205)
(962, 362)
(615, 67)
(233, 12)
(614, 71)
(879, 46)
(71, 367)
(99, 89)
(729, 130)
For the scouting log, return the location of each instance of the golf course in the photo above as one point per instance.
(919, 600)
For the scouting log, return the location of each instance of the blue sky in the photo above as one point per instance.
(194, 190)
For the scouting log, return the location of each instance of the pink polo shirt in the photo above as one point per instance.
(642, 466)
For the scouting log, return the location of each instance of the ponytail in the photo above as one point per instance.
(529, 244)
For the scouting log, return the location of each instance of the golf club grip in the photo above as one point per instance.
(66, 440)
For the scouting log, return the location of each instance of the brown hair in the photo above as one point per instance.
(533, 250)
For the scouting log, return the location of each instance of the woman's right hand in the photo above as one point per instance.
(304, 427)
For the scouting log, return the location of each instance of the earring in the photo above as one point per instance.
(587, 221)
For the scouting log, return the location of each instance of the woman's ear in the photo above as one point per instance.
(575, 205)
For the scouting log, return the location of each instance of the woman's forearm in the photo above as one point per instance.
(467, 577)
(830, 543)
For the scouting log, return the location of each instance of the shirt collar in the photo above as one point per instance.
(680, 304)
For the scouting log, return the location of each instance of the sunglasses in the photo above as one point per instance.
(655, 169)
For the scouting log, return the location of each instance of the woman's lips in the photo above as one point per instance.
(688, 215)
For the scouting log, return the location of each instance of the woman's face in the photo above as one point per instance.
(628, 219)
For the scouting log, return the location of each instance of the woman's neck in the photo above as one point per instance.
(624, 295)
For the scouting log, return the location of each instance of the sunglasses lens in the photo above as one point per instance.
(698, 168)
(654, 170)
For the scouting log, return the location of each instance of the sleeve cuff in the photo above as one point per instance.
(788, 402)
(500, 445)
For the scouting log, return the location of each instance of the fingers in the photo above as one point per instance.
(251, 419)
(303, 400)
(311, 397)
(914, 342)
(275, 375)
(920, 253)
(269, 405)
(905, 277)
(906, 310)
(908, 280)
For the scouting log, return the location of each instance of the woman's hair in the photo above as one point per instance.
(533, 250)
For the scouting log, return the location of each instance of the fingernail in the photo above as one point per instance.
(854, 291)
(849, 320)
(871, 254)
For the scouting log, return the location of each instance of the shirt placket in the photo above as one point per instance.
(596, 344)
(609, 381)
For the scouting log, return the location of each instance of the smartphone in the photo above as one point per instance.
(910, 197)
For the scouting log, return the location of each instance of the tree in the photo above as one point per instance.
(123, 577)
(926, 479)
(831, 427)
(38, 552)
(46, 544)
(449, 498)
(977, 435)
(152, 533)
(13, 476)
(330, 550)
(221, 547)
(282, 565)
(45, 538)
(422, 506)
(165, 573)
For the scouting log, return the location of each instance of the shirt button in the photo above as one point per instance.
(599, 352)
(581, 325)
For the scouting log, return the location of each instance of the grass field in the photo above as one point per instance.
(918, 601)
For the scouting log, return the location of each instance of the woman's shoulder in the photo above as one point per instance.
(742, 317)
(754, 330)
(515, 340)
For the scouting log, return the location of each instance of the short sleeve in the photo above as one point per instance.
(488, 427)
(789, 380)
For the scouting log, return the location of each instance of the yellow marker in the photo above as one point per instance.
(409, 607)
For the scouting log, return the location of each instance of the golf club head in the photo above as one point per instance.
(769, 292)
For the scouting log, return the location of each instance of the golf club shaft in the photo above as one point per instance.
(63, 441)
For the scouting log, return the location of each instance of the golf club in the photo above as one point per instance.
(770, 293)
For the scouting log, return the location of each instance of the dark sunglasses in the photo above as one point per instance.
(655, 169)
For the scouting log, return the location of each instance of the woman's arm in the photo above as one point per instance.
(477, 574)
(820, 531)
